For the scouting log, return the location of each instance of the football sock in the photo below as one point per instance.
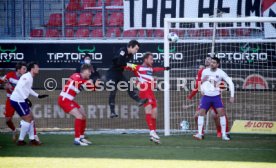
(149, 121)
(83, 126)
(153, 121)
(78, 126)
(25, 127)
(10, 125)
(31, 131)
(223, 125)
(200, 123)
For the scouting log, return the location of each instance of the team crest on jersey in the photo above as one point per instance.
(122, 53)
(217, 76)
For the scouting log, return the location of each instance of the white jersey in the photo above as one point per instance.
(23, 88)
(211, 80)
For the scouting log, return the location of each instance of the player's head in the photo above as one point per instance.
(133, 46)
(33, 68)
(148, 59)
(86, 71)
(215, 63)
(21, 68)
(208, 61)
(87, 59)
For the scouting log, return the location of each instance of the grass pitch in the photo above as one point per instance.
(126, 151)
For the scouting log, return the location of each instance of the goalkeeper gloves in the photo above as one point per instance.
(29, 102)
(167, 68)
(132, 66)
(42, 96)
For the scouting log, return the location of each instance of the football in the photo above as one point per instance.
(173, 37)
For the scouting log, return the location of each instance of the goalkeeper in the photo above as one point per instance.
(115, 74)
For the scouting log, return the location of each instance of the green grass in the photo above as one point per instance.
(136, 151)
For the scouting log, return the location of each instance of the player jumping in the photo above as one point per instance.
(21, 104)
(214, 113)
(115, 74)
(210, 88)
(67, 103)
(10, 80)
(146, 85)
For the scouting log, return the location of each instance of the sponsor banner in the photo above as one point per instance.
(269, 10)
(232, 55)
(150, 14)
(254, 127)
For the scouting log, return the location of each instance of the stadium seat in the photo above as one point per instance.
(194, 33)
(117, 3)
(207, 33)
(52, 33)
(74, 5)
(107, 3)
(149, 33)
(98, 20)
(88, 4)
(69, 33)
(55, 19)
(71, 19)
(159, 33)
(85, 19)
(113, 32)
(243, 32)
(180, 33)
(130, 33)
(36, 33)
(116, 19)
(223, 32)
(141, 33)
(82, 32)
(97, 33)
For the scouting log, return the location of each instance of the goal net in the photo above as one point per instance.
(247, 50)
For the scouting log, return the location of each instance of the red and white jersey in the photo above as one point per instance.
(12, 80)
(145, 73)
(72, 86)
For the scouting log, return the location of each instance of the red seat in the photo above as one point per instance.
(141, 33)
(117, 3)
(223, 32)
(52, 33)
(243, 32)
(159, 33)
(83, 32)
(69, 33)
(113, 32)
(74, 5)
(88, 3)
(149, 33)
(116, 19)
(130, 33)
(194, 33)
(71, 19)
(180, 33)
(98, 20)
(55, 19)
(207, 33)
(97, 33)
(107, 3)
(86, 19)
(36, 33)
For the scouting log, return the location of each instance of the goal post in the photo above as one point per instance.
(244, 50)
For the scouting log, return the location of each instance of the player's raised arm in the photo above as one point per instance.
(198, 81)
